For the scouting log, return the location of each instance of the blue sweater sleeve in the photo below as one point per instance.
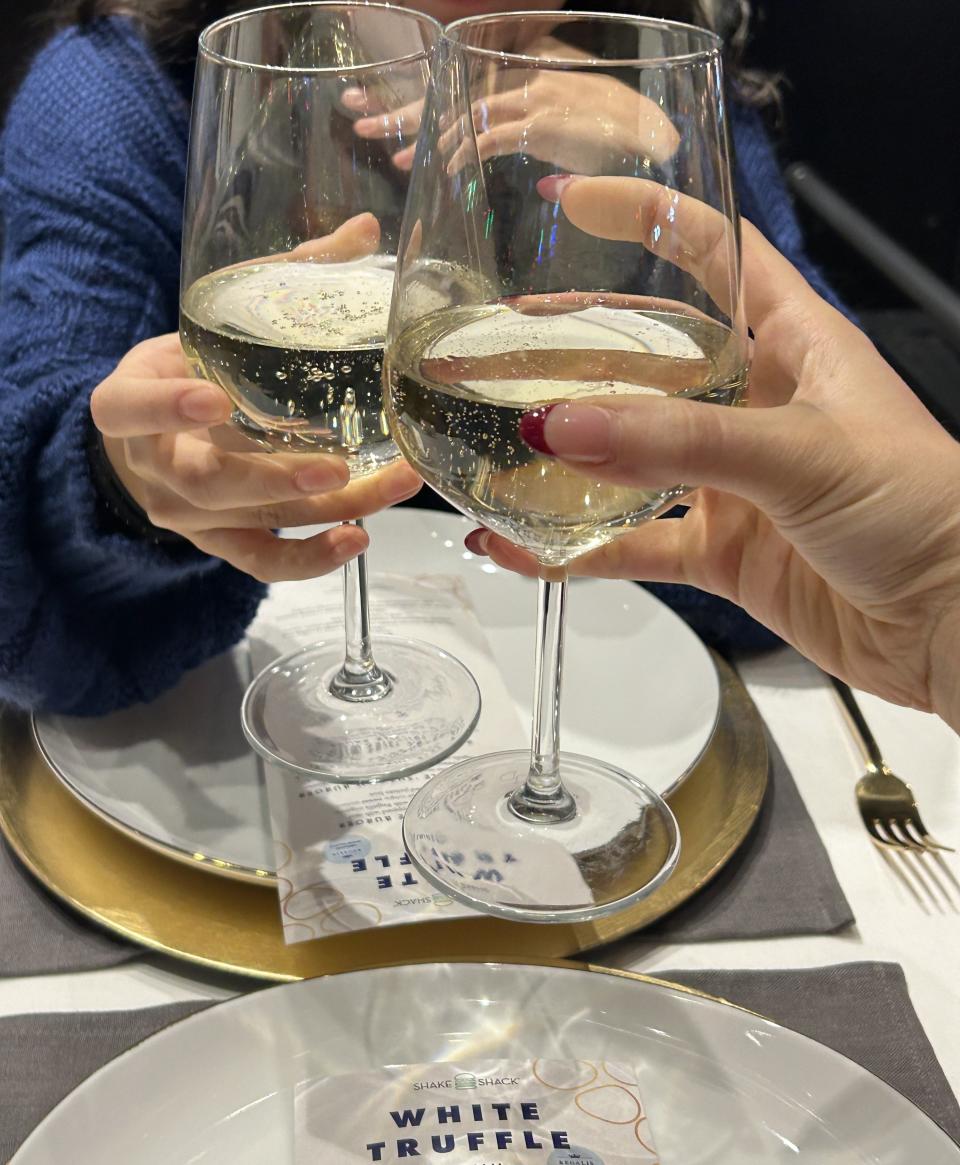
(92, 179)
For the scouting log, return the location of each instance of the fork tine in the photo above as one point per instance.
(927, 840)
(897, 828)
(921, 835)
(877, 831)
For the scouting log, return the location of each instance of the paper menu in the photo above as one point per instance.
(504, 1112)
(340, 859)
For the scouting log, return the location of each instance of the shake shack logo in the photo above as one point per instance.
(464, 1081)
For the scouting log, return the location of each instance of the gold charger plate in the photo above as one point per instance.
(234, 926)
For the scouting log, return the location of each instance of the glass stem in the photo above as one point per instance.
(543, 797)
(359, 680)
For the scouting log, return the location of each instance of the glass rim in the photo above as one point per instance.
(711, 51)
(204, 50)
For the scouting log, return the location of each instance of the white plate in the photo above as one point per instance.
(640, 690)
(721, 1085)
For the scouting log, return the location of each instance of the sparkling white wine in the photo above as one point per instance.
(460, 379)
(298, 346)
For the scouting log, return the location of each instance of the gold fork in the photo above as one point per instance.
(886, 804)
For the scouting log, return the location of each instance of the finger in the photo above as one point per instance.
(270, 559)
(353, 239)
(698, 239)
(208, 478)
(160, 357)
(513, 137)
(129, 406)
(610, 102)
(777, 457)
(502, 552)
(358, 500)
(584, 365)
(403, 159)
(390, 123)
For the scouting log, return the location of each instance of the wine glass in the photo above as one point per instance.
(289, 319)
(636, 293)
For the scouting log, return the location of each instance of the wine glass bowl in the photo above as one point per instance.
(257, 330)
(572, 184)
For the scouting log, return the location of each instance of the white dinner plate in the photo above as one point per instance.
(640, 691)
(720, 1085)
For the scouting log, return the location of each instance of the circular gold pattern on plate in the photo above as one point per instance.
(566, 1087)
(619, 1079)
(179, 909)
(610, 1089)
(636, 1133)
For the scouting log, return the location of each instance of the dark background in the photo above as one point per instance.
(871, 101)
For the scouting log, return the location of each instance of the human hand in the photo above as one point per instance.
(830, 510)
(165, 436)
(379, 121)
(160, 433)
(575, 121)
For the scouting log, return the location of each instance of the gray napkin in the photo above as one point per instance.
(779, 882)
(38, 936)
(42, 1057)
(838, 1006)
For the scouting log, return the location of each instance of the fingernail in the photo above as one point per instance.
(364, 219)
(344, 550)
(368, 127)
(406, 487)
(531, 429)
(319, 478)
(571, 431)
(476, 541)
(202, 404)
(554, 185)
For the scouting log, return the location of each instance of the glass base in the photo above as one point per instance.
(292, 717)
(463, 837)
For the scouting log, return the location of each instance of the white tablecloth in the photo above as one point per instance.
(806, 722)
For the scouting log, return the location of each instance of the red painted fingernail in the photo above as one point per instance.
(476, 541)
(531, 428)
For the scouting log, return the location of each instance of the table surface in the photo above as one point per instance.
(920, 930)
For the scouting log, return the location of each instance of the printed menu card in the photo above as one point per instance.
(341, 864)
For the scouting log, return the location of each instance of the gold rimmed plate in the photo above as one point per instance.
(179, 909)
(718, 1083)
(641, 691)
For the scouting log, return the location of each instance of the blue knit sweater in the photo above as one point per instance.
(93, 167)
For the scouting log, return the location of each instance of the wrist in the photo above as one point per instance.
(119, 511)
(944, 673)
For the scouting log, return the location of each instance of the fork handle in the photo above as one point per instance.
(868, 744)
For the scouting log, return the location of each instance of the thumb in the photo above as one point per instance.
(769, 457)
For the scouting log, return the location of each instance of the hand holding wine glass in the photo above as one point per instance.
(818, 485)
(169, 445)
(550, 314)
(290, 232)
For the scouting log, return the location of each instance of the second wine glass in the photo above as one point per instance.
(285, 295)
(578, 167)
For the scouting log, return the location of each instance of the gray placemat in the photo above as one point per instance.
(40, 936)
(838, 1006)
(780, 881)
(43, 1057)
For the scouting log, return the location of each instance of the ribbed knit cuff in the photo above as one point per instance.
(117, 512)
